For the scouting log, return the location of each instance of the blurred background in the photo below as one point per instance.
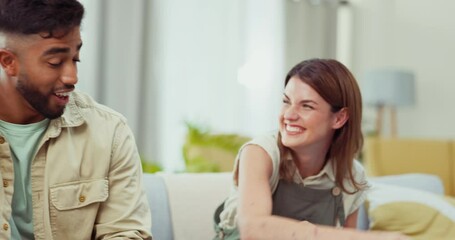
(170, 65)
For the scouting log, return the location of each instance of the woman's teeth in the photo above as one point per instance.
(293, 129)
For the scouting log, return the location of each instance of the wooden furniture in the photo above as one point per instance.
(391, 156)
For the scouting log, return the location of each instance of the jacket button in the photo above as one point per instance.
(2, 140)
(5, 227)
(336, 191)
(82, 198)
(5, 183)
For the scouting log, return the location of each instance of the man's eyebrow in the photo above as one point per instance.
(57, 50)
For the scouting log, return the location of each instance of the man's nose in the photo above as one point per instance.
(69, 74)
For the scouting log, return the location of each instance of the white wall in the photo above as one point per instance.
(90, 52)
(310, 30)
(211, 61)
(417, 35)
(193, 64)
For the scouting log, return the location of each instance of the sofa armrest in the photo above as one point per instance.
(157, 196)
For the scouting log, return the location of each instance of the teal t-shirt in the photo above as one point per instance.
(23, 140)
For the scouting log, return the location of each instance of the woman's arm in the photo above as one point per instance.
(255, 200)
(351, 220)
(255, 217)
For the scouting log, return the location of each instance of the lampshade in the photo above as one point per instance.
(388, 87)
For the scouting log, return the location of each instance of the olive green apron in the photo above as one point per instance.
(292, 200)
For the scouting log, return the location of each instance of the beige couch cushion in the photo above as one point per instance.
(193, 198)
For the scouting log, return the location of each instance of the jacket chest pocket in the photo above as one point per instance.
(74, 207)
(79, 194)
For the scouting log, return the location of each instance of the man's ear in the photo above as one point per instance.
(341, 117)
(8, 61)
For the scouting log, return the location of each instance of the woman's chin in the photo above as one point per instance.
(290, 142)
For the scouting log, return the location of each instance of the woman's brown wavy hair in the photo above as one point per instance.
(338, 87)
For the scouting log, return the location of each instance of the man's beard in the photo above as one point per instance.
(37, 100)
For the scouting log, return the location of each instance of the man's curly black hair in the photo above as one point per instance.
(49, 18)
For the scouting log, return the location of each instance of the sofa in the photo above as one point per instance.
(182, 204)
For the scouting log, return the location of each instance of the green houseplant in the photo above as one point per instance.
(205, 151)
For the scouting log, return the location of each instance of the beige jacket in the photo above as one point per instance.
(86, 178)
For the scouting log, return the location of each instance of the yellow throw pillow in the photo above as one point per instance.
(419, 214)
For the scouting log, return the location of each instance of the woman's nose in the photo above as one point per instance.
(290, 113)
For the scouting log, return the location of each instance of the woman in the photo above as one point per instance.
(301, 182)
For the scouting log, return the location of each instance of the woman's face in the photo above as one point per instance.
(306, 119)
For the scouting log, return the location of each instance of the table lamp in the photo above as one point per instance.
(388, 88)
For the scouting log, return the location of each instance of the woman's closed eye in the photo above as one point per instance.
(307, 106)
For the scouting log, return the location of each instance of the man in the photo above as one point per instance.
(69, 166)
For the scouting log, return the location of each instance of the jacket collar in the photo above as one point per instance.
(72, 117)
